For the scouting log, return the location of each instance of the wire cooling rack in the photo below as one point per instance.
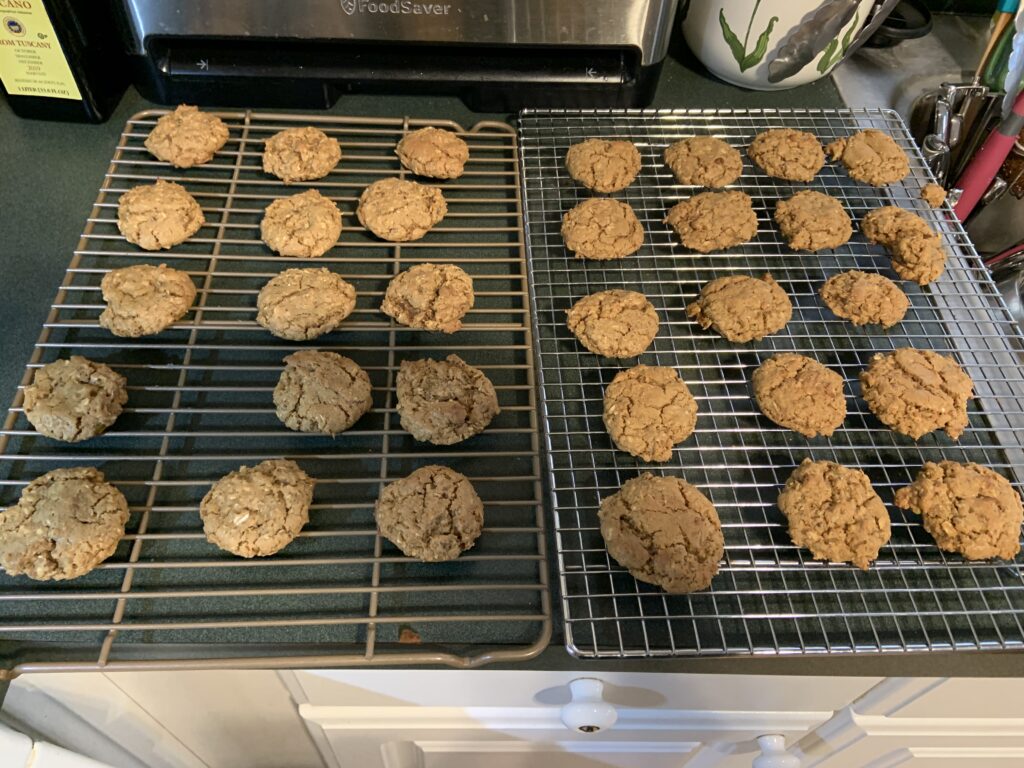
(770, 597)
(200, 406)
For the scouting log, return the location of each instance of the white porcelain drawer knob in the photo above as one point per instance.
(588, 712)
(774, 754)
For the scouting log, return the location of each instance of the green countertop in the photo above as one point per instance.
(49, 175)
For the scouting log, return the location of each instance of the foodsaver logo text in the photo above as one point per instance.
(395, 7)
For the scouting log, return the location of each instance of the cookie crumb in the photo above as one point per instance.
(933, 194)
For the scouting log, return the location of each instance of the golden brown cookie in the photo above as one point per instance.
(713, 221)
(799, 393)
(143, 299)
(433, 297)
(400, 211)
(444, 401)
(187, 137)
(742, 308)
(933, 194)
(788, 154)
(834, 512)
(865, 297)
(704, 161)
(321, 392)
(813, 221)
(306, 225)
(601, 228)
(614, 323)
(66, 523)
(300, 154)
(916, 250)
(434, 514)
(602, 165)
(916, 391)
(158, 216)
(966, 508)
(664, 531)
(74, 399)
(871, 156)
(433, 152)
(302, 304)
(257, 511)
(648, 410)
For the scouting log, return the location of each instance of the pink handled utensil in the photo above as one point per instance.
(986, 164)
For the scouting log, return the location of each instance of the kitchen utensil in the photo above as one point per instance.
(1005, 11)
(986, 163)
(981, 113)
(908, 20)
(769, 596)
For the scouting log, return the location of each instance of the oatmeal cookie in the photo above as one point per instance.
(433, 297)
(834, 512)
(813, 221)
(158, 216)
(614, 323)
(871, 156)
(302, 304)
(602, 165)
(306, 225)
(433, 152)
(966, 508)
(66, 523)
(664, 531)
(916, 250)
(187, 137)
(916, 391)
(74, 399)
(434, 514)
(704, 161)
(864, 298)
(601, 228)
(321, 392)
(300, 154)
(785, 153)
(713, 221)
(799, 393)
(648, 410)
(143, 299)
(399, 211)
(933, 194)
(444, 401)
(742, 308)
(257, 511)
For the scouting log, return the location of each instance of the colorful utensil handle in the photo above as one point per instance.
(986, 164)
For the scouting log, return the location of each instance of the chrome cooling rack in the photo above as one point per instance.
(770, 597)
(200, 406)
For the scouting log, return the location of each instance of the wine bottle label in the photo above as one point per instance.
(32, 62)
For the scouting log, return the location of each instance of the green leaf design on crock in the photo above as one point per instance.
(744, 59)
(754, 57)
(834, 53)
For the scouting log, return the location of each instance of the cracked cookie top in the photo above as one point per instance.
(786, 153)
(300, 154)
(813, 221)
(704, 161)
(302, 304)
(434, 297)
(399, 211)
(614, 323)
(648, 410)
(187, 137)
(742, 308)
(158, 216)
(444, 401)
(799, 393)
(74, 399)
(306, 225)
(433, 152)
(871, 156)
(916, 250)
(713, 221)
(321, 392)
(602, 165)
(865, 297)
(143, 299)
(601, 228)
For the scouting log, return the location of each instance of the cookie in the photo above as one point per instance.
(66, 523)
(704, 161)
(257, 511)
(916, 391)
(399, 211)
(713, 221)
(801, 394)
(813, 221)
(434, 514)
(742, 308)
(306, 225)
(787, 154)
(74, 399)
(302, 304)
(933, 194)
(864, 298)
(916, 250)
(444, 401)
(158, 216)
(871, 156)
(187, 137)
(432, 297)
(603, 166)
(433, 152)
(601, 228)
(300, 154)
(834, 512)
(663, 531)
(321, 392)
(143, 299)
(966, 508)
(648, 410)
(614, 323)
